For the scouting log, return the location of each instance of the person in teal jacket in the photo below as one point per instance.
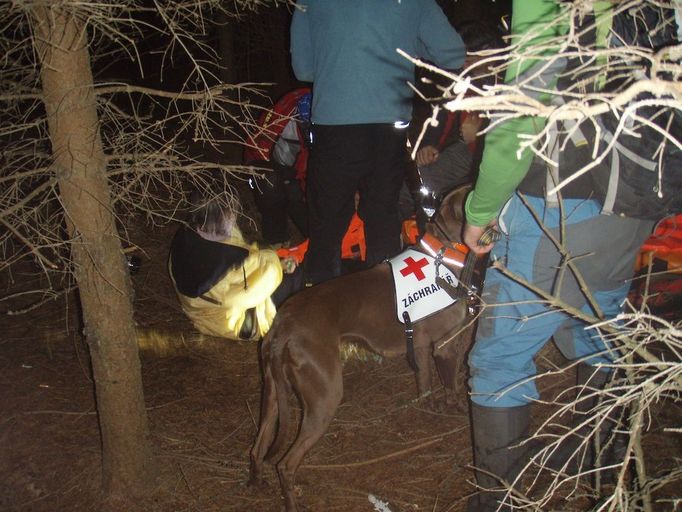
(516, 324)
(362, 105)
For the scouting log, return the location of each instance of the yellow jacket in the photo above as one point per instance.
(221, 311)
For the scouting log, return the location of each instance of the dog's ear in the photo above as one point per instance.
(452, 206)
(450, 214)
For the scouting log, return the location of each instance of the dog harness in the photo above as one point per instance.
(424, 286)
(417, 291)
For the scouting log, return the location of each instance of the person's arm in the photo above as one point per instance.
(432, 142)
(502, 167)
(442, 43)
(501, 170)
(301, 44)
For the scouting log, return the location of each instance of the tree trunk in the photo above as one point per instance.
(98, 261)
(225, 34)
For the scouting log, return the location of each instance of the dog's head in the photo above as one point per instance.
(448, 221)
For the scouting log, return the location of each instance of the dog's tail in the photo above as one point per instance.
(282, 388)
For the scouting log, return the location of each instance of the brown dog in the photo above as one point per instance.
(301, 352)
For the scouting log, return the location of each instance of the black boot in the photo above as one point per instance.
(496, 433)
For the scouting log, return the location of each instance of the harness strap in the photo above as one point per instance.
(452, 291)
(461, 291)
(466, 277)
(576, 136)
(409, 338)
(467, 274)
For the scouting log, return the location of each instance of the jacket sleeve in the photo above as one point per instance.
(503, 167)
(301, 44)
(441, 43)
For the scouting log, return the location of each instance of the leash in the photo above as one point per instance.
(465, 288)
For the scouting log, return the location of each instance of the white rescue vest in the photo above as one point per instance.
(416, 290)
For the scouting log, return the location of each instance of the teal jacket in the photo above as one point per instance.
(347, 49)
(502, 169)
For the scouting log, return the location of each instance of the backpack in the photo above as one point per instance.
(641, 174)
(271, 124)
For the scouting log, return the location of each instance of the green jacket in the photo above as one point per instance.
(502, 167)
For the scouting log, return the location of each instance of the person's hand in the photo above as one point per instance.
(469, 128)
(426, 156)
(473, 234)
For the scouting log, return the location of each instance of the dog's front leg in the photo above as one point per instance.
(449, 368)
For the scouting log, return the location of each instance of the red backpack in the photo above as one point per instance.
(271, 123)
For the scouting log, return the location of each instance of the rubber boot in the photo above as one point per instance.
(496, 432)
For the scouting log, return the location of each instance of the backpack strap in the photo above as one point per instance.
(555, 145)
(617, 150)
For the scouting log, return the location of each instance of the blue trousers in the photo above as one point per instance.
(516, 323)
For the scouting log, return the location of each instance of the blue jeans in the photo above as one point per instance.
(516, 323)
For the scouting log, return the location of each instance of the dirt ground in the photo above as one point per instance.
(203, 405)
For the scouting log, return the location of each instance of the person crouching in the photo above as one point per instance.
(226, 286)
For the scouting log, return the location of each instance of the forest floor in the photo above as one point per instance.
(202, 400)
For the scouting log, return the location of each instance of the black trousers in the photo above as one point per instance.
(370, 159)
(278, 197)
(291, 283)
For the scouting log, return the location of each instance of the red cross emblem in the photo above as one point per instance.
(414, 267)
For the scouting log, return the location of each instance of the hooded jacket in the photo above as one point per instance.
(221, 285)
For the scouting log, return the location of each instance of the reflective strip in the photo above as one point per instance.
(445, 259)
(454, 255)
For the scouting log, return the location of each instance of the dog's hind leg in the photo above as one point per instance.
(320, 396)
(450, 364)
(422, 358)
(267, 428)
(448, 371)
